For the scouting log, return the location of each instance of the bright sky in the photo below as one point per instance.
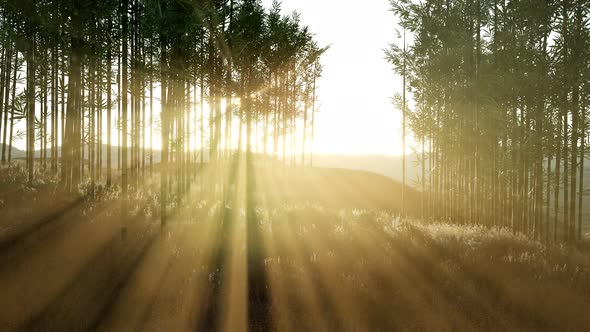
(356, 115)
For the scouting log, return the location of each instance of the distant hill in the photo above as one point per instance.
(390, 166)
(16, 153)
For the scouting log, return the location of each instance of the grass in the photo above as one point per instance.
(297, 266)
(388, 274)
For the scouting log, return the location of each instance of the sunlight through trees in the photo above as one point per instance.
(67, 65)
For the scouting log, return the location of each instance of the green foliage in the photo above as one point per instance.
(499, 87)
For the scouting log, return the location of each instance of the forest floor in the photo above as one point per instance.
(66, 265)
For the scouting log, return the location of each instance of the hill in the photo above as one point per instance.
(390, 166)
(336, 188)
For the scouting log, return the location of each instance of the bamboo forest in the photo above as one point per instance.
(294, 165)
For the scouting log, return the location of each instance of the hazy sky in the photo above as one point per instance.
(356, 113)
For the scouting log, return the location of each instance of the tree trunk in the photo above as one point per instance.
(109, 105)
(30, 56)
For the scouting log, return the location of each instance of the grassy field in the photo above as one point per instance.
(332, 260)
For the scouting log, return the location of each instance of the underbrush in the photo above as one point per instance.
(378, 270)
